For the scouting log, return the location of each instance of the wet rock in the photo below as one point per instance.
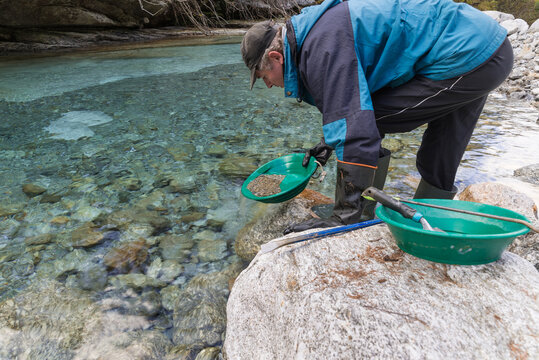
(134, 345)
(147, 304)
(92, 277)
(500, 195)
(47, 316)
(124, 218)
(174, 247)
(269, 221)
(135, 281)
(59, 220)
(236, 166)
(71, 262)
(192, 217)
(528, 173)
(183, 153)
(11, 209)
(166, 271)
(86, 235)
(211, 353)
(50, 198)
(33, 190)
(127, 257)
(216, 150)
(132, 184)
(169, 296)
(183, 185)
(211, 250)
(358, 296)
(199, 314)
(526, 246)
(39, 239)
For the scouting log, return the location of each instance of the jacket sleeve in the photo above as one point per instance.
(333, 75)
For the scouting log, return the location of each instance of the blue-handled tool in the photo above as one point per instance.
(277, 243)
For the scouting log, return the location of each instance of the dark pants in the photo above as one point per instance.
(451, 109)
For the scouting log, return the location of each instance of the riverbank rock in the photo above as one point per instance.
(358, 296)
(526, 246)
(523, 81)
(270, 221)
(528, 173)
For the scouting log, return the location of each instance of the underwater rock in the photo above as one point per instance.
(86, 235)
(124, 218)
(169, 296)
(33, 190)
(237, 166)
(135, 281)
(92, 277)
(127, 257)
(183, 185)
(200, 310)
(39, 239)
(216, 150)
(176, 247)
(211, 250)
(50, 198)
(74, 125)
(166, 271)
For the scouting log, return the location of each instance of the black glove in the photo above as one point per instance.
(321, 152)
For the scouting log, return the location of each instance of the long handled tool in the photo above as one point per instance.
(277, 243)
(503, 218)
(374, 194)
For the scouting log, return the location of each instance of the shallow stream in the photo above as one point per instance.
(170, 133)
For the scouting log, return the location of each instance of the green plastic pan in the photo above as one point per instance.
(465, 239)
(295, 181)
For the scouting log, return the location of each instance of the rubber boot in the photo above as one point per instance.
(349, 204)
(427, 191)
(379, 182)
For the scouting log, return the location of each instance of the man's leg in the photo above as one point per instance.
(451, 108)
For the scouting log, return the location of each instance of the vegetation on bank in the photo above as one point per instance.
(527, 10)
(217, 13)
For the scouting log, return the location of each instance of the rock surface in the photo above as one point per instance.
(272, 219)
(359, 296)
(526, 246)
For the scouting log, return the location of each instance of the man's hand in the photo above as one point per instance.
(321, 152)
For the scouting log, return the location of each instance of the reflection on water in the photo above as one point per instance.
(120, 178)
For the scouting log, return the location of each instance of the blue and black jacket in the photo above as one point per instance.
(338, 53)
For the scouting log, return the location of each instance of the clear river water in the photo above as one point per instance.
(142, 135)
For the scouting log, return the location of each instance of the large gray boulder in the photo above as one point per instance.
(358, 296)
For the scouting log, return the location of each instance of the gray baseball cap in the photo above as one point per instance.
(255, 42)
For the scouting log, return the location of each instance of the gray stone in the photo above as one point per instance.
(200, 310)
(92, 277)
(515, 26)
(528, 173)
(499, 16)
(269, 221)
(534, 27)
(358, 296)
